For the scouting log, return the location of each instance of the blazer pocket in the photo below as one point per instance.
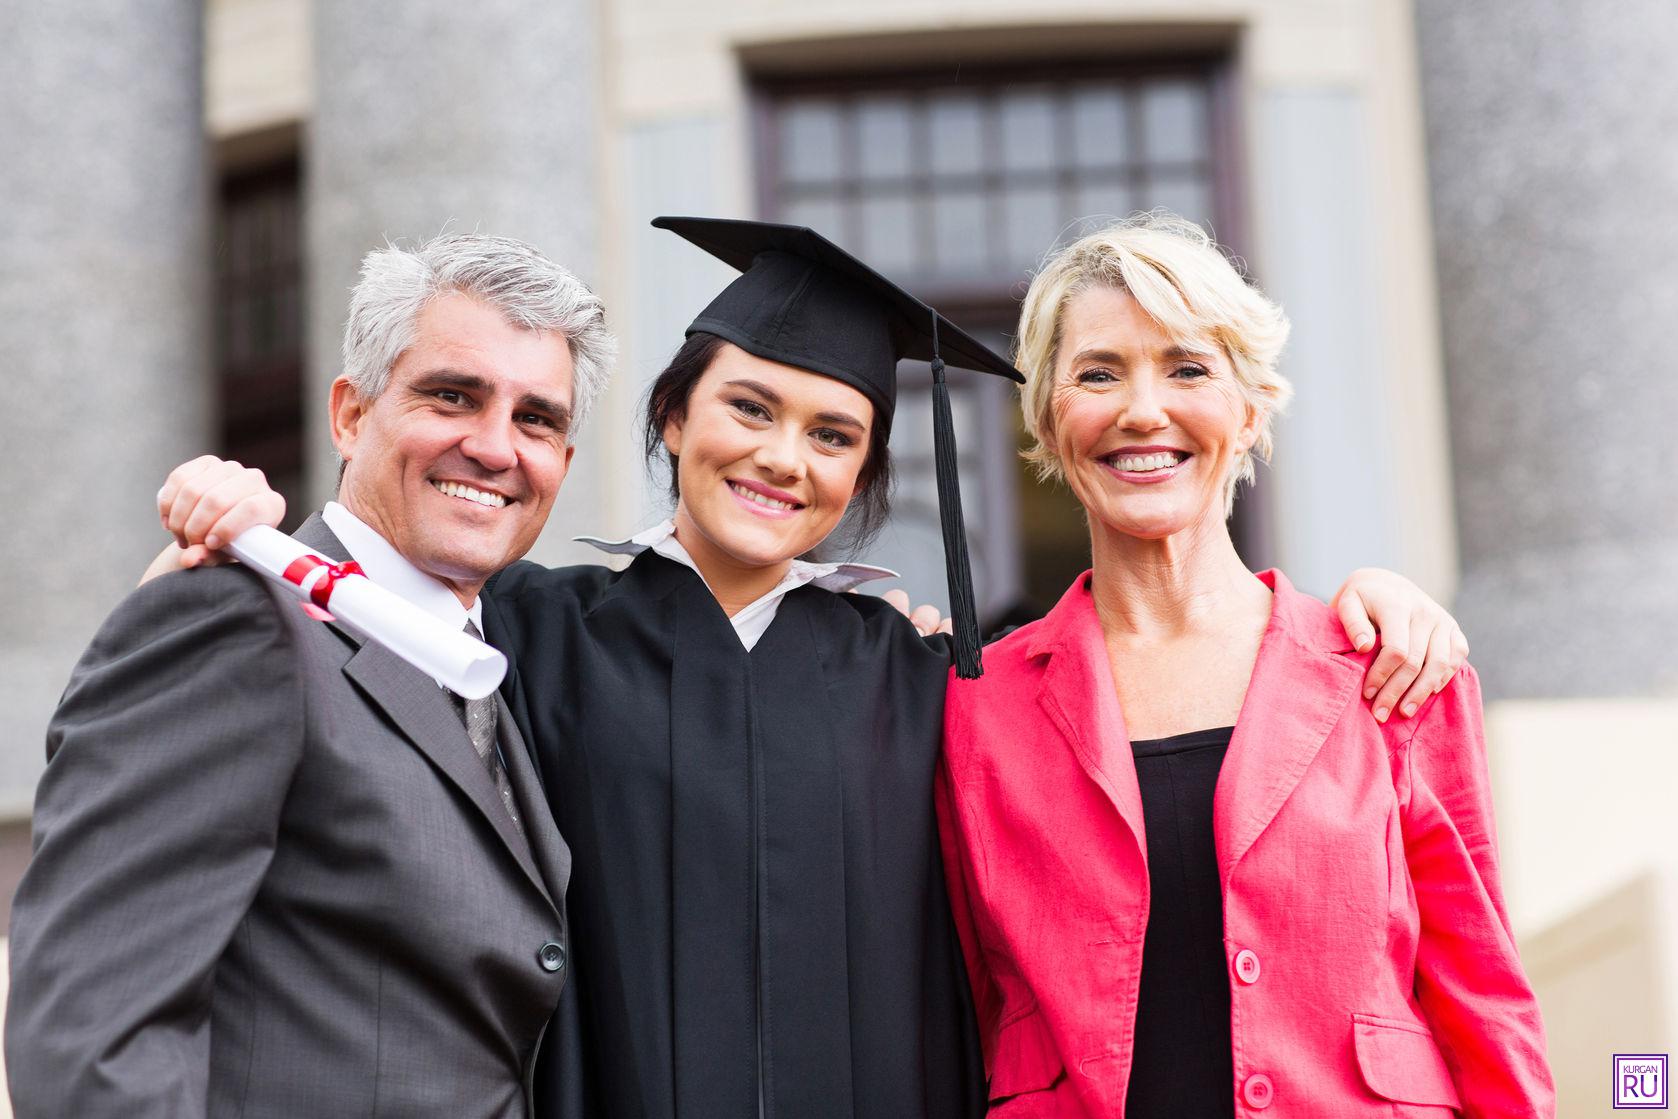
(1026, 1060)
(1400, 1062)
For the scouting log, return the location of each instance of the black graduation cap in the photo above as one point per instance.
(803, 301)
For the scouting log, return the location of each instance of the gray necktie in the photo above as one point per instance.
(479, 717)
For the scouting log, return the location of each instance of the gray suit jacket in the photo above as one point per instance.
(272, 879)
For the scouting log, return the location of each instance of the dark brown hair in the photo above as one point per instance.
(668, 400)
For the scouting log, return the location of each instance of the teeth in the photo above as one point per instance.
(455, 489)
(753, 495)
(1144, 463)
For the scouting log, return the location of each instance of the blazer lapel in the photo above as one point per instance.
(1078, 695)
(316, 535)
(553, 857)
(426, 716)
(1298, 693)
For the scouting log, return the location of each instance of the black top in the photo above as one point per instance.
(756, 900)
(1183, 1065)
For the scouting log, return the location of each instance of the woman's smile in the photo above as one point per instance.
(762, 500)
(1145, 466)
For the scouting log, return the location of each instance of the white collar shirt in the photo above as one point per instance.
(390, 569)
(751, 623)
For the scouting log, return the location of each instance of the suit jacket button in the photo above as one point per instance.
(1257, 1092)
(1247, 966)
(551, 956)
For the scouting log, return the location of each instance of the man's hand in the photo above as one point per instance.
(926, 619)
(207, 503)
(1421, 645)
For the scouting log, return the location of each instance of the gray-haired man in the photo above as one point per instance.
(277, 871)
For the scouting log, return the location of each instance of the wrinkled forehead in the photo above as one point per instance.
(1108, 318)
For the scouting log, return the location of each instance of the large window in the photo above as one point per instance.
(259, 324)
(957, 191)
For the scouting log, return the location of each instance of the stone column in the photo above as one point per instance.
(433, 115)
(103, 327)
(1553, 174)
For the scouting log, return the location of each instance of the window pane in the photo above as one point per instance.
(911, 445)
(291, 312)
(810, 141)
(1174, 120)
(883, 138)
(1031, 223)
(955, 134)
(1184, 195)
(1102, 198)
(824, 215)
(1028, 129)
(888, 234)
(1100, 126)
(238, 337)
(960, 240)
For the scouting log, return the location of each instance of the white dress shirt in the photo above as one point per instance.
(390, 569)
(752, 622)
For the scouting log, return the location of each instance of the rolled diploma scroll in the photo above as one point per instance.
(459, 662)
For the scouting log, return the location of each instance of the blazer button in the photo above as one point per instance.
(1247, 966)
(1258, 1091)
(551, 956)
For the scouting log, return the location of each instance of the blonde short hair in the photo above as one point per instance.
(1174, 270)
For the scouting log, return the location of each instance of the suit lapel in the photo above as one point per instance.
(1297, 695)
(553, 858)
(1078, 695)
(316, 535)
(426, 716)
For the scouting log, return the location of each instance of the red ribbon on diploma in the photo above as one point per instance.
(321, 593)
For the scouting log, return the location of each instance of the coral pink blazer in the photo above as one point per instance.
(1371, 967)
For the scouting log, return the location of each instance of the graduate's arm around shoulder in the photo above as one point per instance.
(169, 758)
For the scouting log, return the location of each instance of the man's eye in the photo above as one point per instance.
(750, 408)
(535, 419)
(450, 396)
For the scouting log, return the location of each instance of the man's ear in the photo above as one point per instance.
(348, 408)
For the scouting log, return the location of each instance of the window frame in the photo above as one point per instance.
(993, 301)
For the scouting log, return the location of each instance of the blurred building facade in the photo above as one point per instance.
(197, 186)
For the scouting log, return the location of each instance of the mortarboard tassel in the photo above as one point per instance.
(958, 571)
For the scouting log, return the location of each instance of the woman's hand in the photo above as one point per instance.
(1421, 645)
(926, 619)
(204, 505)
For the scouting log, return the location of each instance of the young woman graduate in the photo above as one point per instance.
(742, 760)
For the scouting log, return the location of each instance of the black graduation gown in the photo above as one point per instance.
(757, 906)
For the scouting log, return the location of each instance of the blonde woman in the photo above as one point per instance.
(1192, 871)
